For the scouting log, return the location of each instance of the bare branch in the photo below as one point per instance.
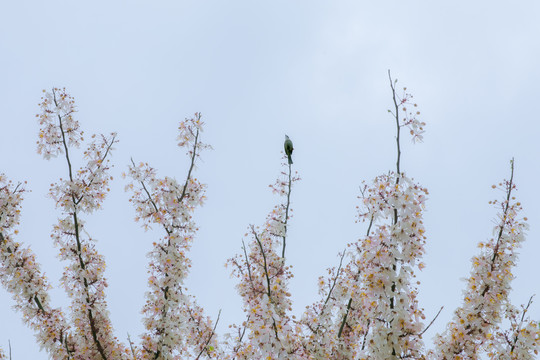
(432, 321)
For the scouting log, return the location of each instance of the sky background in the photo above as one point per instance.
(314, 70)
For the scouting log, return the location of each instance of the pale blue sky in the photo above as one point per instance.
(315, 70)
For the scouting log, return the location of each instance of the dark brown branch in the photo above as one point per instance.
(398, 175)
(267, 277)
(503, 222)
(349, 304)
(344, 321)
(265, 264)
(520, 324)
(505, 212)
(432, 321)
(64, 142)
(365, 334)
(240, 337)
(248, 266)
(38, 303)
(330, 293)
(335, 278)
(94, 334)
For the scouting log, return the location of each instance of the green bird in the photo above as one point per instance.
(288, 148)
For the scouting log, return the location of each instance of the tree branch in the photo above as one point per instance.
(396, 115)
(432, 321)
(195, 145)
(287, 213)
(520, 324)
(77, 237)
(265, 264)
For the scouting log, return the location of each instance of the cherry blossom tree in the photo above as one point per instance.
(368, 306)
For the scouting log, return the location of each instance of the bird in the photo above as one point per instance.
(288, 148)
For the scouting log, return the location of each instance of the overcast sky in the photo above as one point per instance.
(314, 70)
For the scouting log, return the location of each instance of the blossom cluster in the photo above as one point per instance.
(388, 258)
(59, 128)
(369, 307)
(176, 326)
(376, 283)
(86, 189)
(520, 342)
(189, 131)
(416, 127)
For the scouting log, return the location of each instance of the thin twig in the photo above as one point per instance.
(131, 347)
(209, 338)
(366, 334)
(519, 326)
(335, 278)
(265, 264)
(398, 128)
(330, 291)
(503, 222)
(195, 145)
(286, 214)
(241, 336)
(349, 304)
(432, 321)
(248, 265)
(156, 210)
(102, 161)
(267, 277)
(505, 213)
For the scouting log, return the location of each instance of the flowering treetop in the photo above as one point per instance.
(368, 306)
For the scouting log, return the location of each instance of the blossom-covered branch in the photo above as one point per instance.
(521, 341)
(485, 300)
(176, 326)
(21, 275)
(373, 310)
(263, 286)
(84, 192)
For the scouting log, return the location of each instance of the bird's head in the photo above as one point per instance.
(286, 137)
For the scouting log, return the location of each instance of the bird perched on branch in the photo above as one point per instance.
(288, 148)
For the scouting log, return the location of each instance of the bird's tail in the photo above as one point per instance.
(290, 159)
